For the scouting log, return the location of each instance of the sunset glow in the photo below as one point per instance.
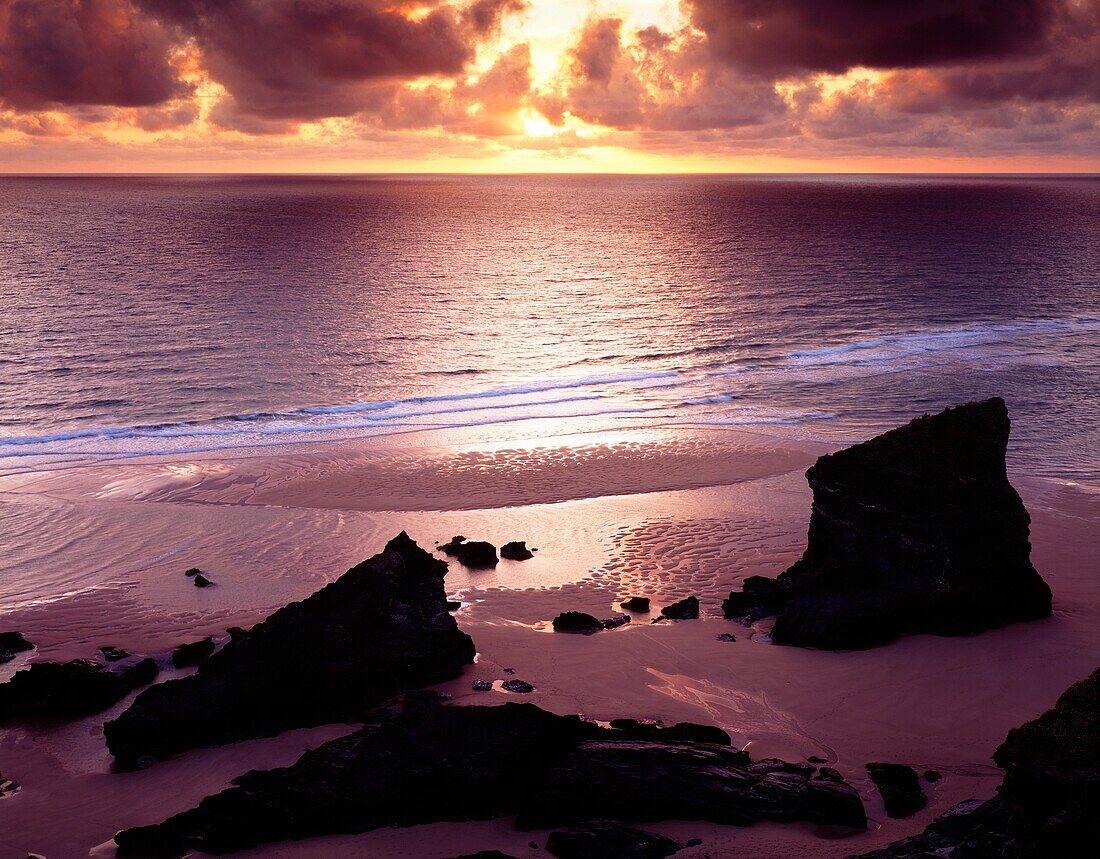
(547, 86)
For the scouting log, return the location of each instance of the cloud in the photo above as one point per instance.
(781, 37)
(287, 61)
(83, 52)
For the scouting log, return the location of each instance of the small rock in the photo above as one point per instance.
(829, 774)
(520, 687)
(453, 605)
(73, 689)
(576, 621)
(685, 609)
(140, 673)
(615, 622)
(640, 604)
(112, 653)
(900, 788)
(693, 842)
(194, 571)
(816, 759)
(475, 554)
(515, 551)
(7, 786)
(932, 776)
(12, 643)
(194, 653)
(202, 581)
(508, 670)
(237, 632)
(483, 686)
(729, 636)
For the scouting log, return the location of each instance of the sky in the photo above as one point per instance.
(502, 86)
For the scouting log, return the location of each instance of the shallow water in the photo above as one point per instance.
(162, 315)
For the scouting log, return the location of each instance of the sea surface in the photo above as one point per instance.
(173, 315)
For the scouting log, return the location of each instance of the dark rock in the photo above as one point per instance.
(237, 632)
(508, 670)
(67, 690)
(639, 604)
(379, 629)
(646, 781)
(141, 673)
(7, 786)
(693, 842)
(454, 605)
(829, 774)
(606, 840)
(193, 653)
(12, 643)
(194, 571)
(816, 759)
(1046, 805)
(201, 581)
(900, 788)
(685, 609)
(681, 732)
(434, 762)
(113, 654)
(515, 551)
(475, 554)
(917, 530)
(576, 621)
(725, 636)
(520, 687)
(931, 776)
(482, 686)
(615, 622)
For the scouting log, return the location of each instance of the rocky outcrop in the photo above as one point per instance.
(1046, 805)
(12, 643)
(436, 762)
(193, 653)
(381, 628)
(638, 604)
(475, 554)
(516, 551)
(685, 609)
(70, 690)
(917, 530)
(899, 787)
(605, 839)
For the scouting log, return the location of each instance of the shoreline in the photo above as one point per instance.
(669, 514)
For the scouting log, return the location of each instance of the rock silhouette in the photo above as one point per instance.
(380, 628)
(917, 530)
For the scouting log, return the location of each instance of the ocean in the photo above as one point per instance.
(176, 315)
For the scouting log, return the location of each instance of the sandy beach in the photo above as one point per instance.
(96, 555)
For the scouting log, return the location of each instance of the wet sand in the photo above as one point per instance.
(96, 556)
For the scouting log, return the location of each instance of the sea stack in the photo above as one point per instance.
(917, 530)
(379, 629)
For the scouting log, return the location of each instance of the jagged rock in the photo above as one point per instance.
(435, 762)
(201, 581)
(113, 654)
(685, 609)
(931, 776)
(54, 690)
(899, 787)
(380, 628)
(482, 686)
(576, 621)
(7, 786)
(725, 636)
(454, 605)
(829, 774)
(519, 687)
(194, 571)
(917, 530)
(647, 781)
(638, 604)
(12, 643)
(615, 622)
(475, 554)
(516, 551)
(1046, 805)
(603, 839)
(681, 732)
(193, 653)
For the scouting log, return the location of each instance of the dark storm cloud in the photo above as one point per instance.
(83, 52)
(293, 60)
(777, 37)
